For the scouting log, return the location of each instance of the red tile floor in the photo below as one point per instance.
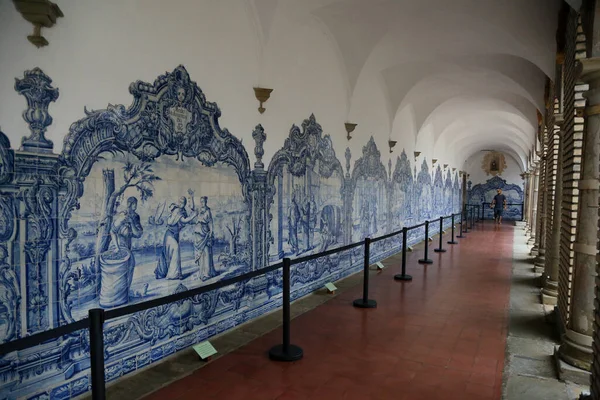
(441, 336)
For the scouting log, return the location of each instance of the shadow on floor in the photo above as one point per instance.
(530, 369)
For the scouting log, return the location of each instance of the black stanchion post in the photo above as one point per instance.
(286, 351)
(452, 241)
(441, 249)
(365, 302)
(461, 232)
(403, 276)
(522, 211)
(469, 218)
(469, 226)
(96, 316)
(425, 259)
(465, 219)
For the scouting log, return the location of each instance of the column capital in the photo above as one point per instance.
(588, 70)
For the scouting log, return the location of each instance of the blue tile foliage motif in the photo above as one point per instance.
(156, 198)
(485, 192)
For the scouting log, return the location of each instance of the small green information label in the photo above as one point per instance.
(380, 265)
(331, 287)
(205, 350)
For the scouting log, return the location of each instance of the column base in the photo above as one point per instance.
(549, 292)
(539, 269)
(539, 263)
(569, 373)
(534, 249)
(549, 298)
(576, 350)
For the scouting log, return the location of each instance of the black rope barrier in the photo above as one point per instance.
(286, 351)
(426, 259)
(283, 352)
(441, 249)
(365, 302)
(38, 338)
(122, 311)
(453, 225)
(325, 253)
(403, 276)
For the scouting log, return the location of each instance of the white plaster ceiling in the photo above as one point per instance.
(473, 71)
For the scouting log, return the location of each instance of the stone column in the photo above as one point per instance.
(525, 177)
(534, 209)
(530, 187)
(539, 205)
(540, 259)
(551, 267)
(576, 347)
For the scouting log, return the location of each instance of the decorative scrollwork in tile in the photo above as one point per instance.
(170, 116)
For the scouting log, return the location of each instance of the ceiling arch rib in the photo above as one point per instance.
(451, 68)
(473, 149)
(460, 135)
(478, 112)
(488, 140)
(461, 132)
(510, 78)
(429, 94)
(382, 32)
(458, 147)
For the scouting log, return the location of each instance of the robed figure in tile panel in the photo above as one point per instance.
(305, 199)
(154, 200)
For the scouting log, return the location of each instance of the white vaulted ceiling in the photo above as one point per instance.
(469, 74)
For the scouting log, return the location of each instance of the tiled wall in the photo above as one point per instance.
(157, 198)
(485, 192)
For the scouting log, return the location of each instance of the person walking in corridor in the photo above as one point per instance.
(499, 205)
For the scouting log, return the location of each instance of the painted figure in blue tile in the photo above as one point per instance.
(310, 220)
(293, 220)
(169, 262)
(330, 226)
(203, 240)
(117, 266)
(374, 217)
(365, 219)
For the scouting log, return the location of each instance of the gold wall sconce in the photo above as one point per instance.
(349, 129)
(453, 169)
(445, 166)
(392, 143)
(417, 153)
(41, 13)
(433, 161)
(262, 95)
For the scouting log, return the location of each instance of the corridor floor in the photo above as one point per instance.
(441, 336)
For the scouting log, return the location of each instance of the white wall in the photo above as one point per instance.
(99, 48)
(477, 175)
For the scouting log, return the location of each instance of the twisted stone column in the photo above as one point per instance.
(540, 259)
(534, 209)
(535, 251)
(530, 184)
(525, 177)
(551, 267)
(576, 348)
